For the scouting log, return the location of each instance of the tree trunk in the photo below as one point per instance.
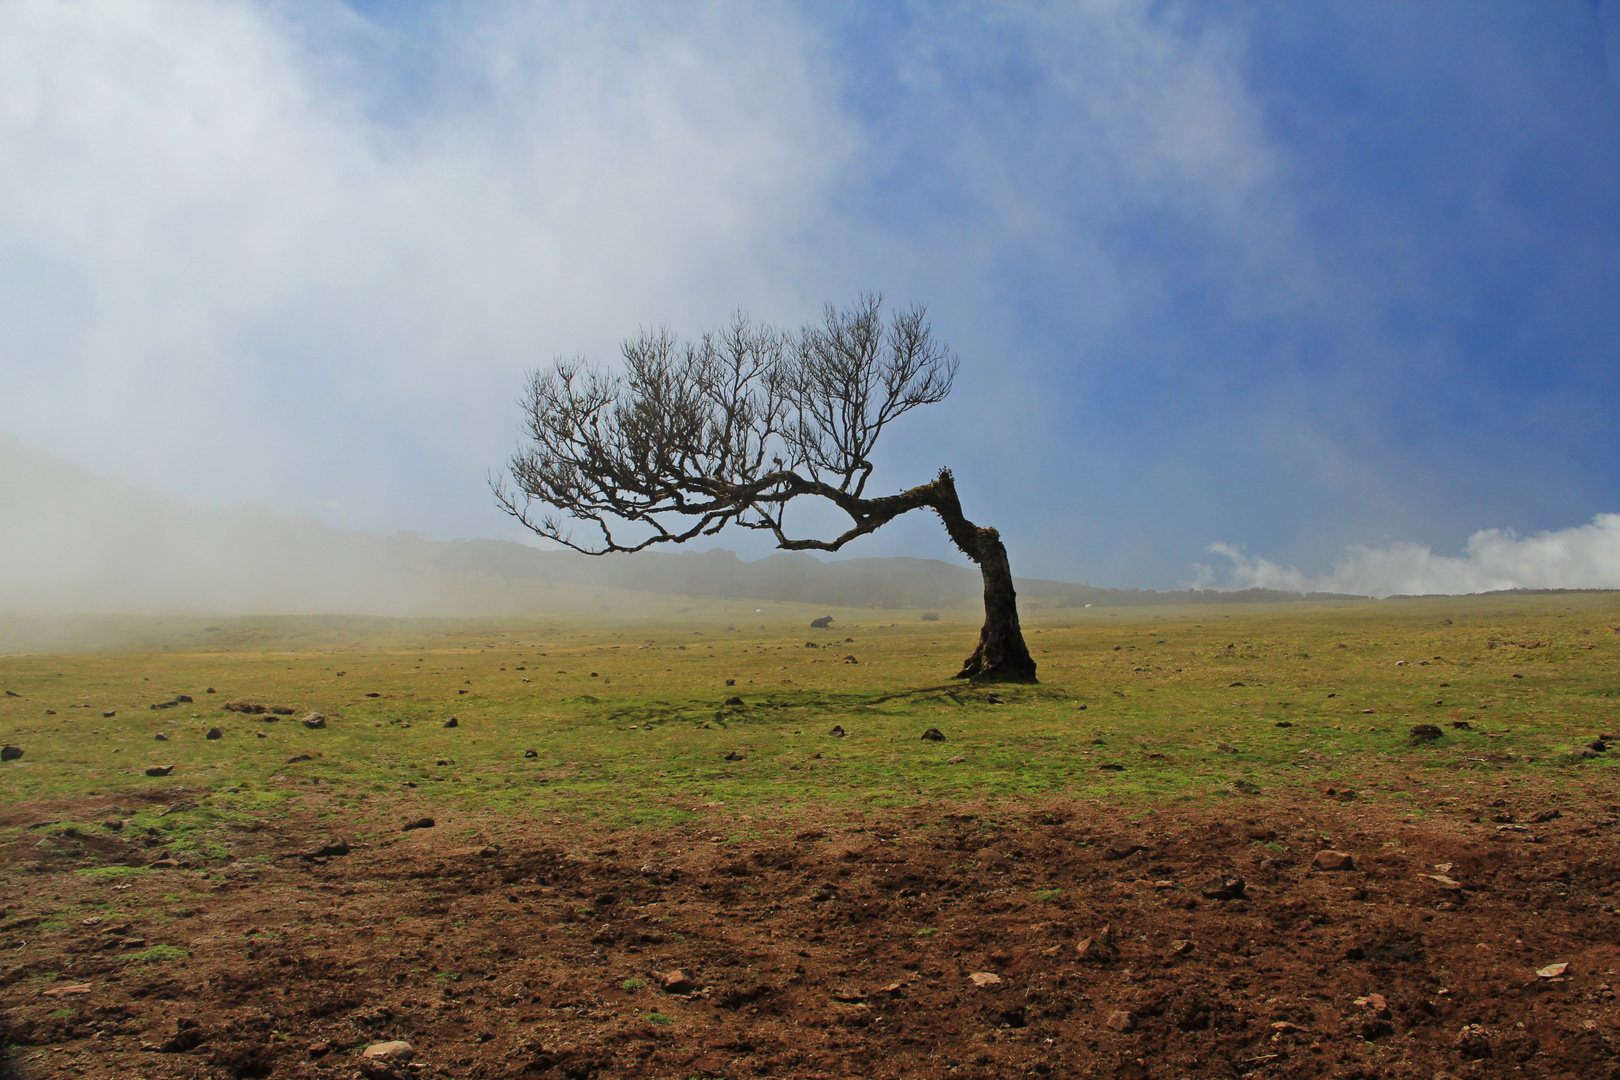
(1002, 655)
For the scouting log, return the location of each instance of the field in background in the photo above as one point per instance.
(628, 718)
(711, 841)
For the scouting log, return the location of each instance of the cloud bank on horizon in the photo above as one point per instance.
(1584, 557)
(1331, 282)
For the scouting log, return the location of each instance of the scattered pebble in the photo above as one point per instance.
(1328, 859)
(418, 823)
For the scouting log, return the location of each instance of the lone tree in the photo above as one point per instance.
(731, 428)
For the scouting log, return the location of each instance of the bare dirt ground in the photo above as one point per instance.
(925, 943)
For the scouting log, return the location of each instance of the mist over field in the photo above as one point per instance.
(75, 542)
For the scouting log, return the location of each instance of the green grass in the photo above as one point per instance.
(1219, 702)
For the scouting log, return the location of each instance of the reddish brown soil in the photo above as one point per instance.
(500, 949)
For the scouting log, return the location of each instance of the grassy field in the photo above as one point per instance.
(626, 719)
(259, 910)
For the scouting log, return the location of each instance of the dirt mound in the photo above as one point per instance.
(947, 941)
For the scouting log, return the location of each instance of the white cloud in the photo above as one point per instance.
(233, 258)
(1583, 557)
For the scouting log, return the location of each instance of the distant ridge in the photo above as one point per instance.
(73, 541)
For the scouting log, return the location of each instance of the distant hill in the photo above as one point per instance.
(73, 541)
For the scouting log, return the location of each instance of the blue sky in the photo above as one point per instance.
(1332, 286)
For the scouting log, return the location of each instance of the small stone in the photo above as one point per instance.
(1328, 859)
(1376, 1003)
(984, 979)
(160, 737)
(955, 760)
(1461, 725)
(214, 733)
(315, 720)
(452, 722)
(1183, 948)
(319, 1048)
(734, 700)
(732, 755)
(1121, 1021)
(676, 982)
(933, 734)
(1425, 732)
(1227, 887)
(731, 682)
(109, 714)
(418, 823)
(400, 1052)
(10, 753)
(333, 847)
(296, 758)
(160, 770)
(1552, 971)
(837, 732)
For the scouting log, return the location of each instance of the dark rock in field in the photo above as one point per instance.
(734, 700)
(1127, 851)
(1234, 684)
(732, 755)
(531, 753)
(811, 645)
(50, 712)
(315, 720)
(419, 823)
(297, 758)
(1284, 723)
(214, 733)
(1226, 887)
(160, 737)
(108, 714)
(837, 732)
(1461, 725)
(210, 690)
(10, 753)
(1330, 860)
(452, 722)
(676, 982)
(1599, 745)
(317, 1049)
(335, 846)
(1182, 948)
(933, 734)
(1111, 767)
(260, 734)
(993, 699)
(1425, 732)
(165, 705)
(731, 682)
(849, 641)
(112, 824)
(851, 660)
(160, 770)
(252, 708)
(282, 710)
(815, 624)
(1545, 816)
(187, 698)
(373, 693)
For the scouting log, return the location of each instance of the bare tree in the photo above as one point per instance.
(729, 429)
